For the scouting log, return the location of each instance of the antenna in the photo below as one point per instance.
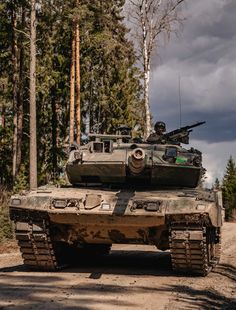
(180, 104)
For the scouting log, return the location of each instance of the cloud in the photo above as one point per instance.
(204, 59)
(209, 96)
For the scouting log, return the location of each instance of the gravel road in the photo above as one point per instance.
(131, 277)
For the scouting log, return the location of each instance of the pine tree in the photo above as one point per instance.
(33, 74)
(229, 188)
(110, 81)
(53, 86)
(216, 184)
(110, 86)
(13, 84)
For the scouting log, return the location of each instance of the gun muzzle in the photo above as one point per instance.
(136, 161)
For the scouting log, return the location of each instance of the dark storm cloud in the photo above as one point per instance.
(205, 59)
(214, 18)
(217, 126)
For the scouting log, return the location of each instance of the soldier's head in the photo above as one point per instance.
(124, 130)
(160, 127)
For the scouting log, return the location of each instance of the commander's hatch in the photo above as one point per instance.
(103, 143)
(105, 146)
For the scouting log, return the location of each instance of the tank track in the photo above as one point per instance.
(218, 246)
(36, 246)
(194, 249)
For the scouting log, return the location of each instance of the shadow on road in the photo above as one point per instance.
(118, 262)
(53, 292)
(133, 262)
(190, 298)
(127, 263)
(23, 289)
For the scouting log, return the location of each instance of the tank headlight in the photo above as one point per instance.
(59, 203)
(77, 155)
(152, 206)
(15, 202)
(105, 206)
(201, 207)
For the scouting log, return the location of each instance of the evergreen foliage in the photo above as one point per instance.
(216, 184)
(110, 82)
(5, 97)
(111, 89)
(5, 154)
(5, 224)
(229, 188)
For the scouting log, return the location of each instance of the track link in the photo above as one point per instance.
(36, 246)
(194, 249)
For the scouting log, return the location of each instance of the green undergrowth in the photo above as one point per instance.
(5, 223)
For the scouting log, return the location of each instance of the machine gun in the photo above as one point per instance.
(180, 135)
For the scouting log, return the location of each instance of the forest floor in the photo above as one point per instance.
(131, 277)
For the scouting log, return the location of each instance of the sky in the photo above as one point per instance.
(203, 59)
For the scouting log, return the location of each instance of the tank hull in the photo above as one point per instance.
(78, 217)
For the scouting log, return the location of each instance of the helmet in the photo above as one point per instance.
(160, 126)
(124, 130)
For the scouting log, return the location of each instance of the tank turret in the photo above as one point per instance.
(118, 159)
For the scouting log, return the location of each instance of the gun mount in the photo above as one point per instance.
(180, 135)
(136, 161)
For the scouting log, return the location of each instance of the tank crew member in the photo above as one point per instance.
(160, 129)
(124, 130)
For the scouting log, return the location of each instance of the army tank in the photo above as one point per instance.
(124, 191)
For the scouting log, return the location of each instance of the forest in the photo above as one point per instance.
(111, 89)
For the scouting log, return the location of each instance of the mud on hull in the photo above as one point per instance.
(48, 240)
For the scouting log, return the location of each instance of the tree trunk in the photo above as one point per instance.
(77, 85)
(33, 136)
(153, 19)
(146, 99)
(146, 69)
(54, 137)
(72, 88)
(2, 116)
(21, 96)
(15, 85)
(55, 133)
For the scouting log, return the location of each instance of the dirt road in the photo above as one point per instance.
(129, 278)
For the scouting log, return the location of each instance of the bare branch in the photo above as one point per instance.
(154, 20)
(24, 33)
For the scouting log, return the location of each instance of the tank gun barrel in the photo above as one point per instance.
(136, 161)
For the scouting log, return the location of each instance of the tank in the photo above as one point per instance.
(123, 191)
